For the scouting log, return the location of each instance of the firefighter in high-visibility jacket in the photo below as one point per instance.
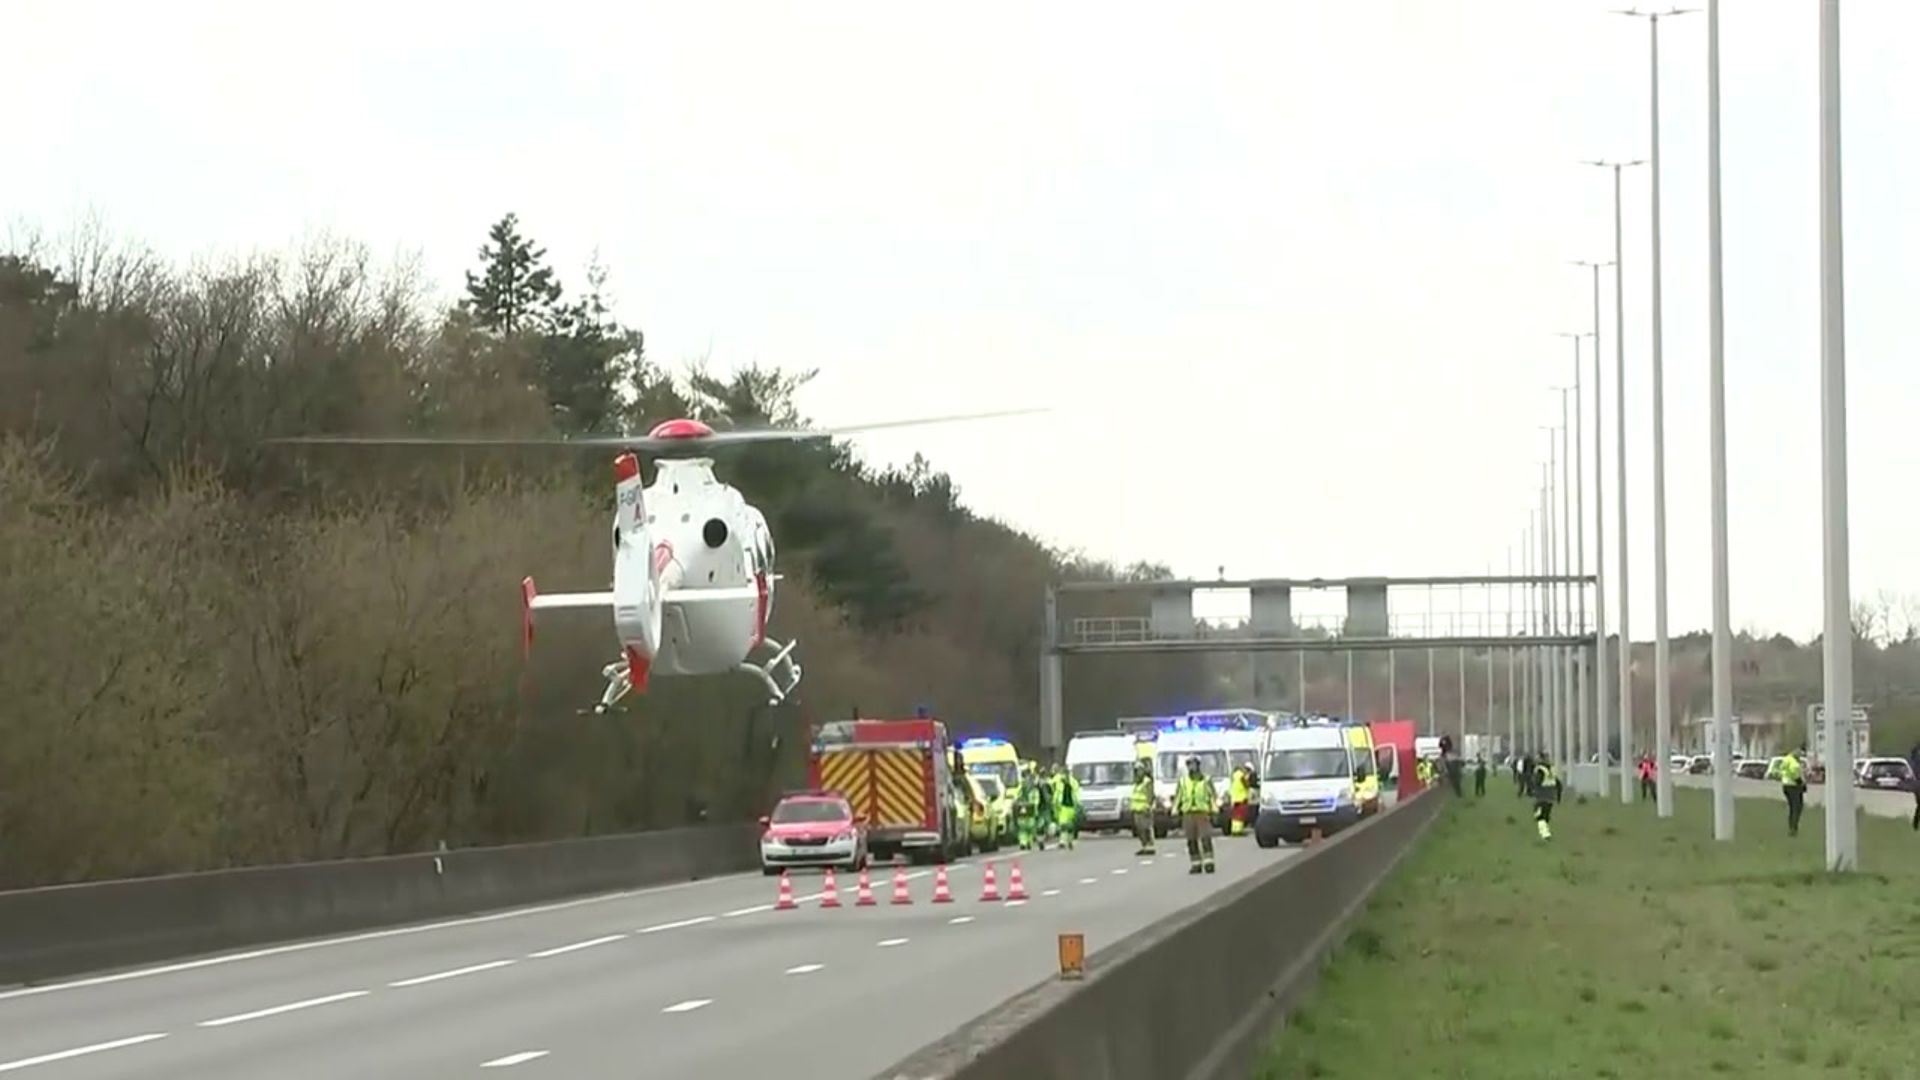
(1026, 811)
(1237, 790)
(1142, 806)
(1546, 792)
(1066, 805)
(1195, 800)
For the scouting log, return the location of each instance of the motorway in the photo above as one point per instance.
(697, 979)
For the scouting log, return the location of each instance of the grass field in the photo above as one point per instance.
(1626, 947)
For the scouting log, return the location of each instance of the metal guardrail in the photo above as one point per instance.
(1134, 629)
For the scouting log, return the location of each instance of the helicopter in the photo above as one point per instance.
(693, 578)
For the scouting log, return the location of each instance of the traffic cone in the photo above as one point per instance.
(864, 896)
(785, 900)
(989, 888)
(900, 894)
(1016, 886)
(941, 894)
(829, 892)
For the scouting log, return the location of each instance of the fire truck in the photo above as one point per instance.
(906, 783)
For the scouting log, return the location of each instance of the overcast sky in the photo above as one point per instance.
(1288, 273)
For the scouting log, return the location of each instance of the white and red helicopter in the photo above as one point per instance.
(693, 577)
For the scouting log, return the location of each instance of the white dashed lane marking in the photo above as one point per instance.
(805, 969)
(520, 1058)
(676, 925)
(688, 1006)
(454, 974)
(78, 1051)
(1119, 870)
(1051, 892)
(1089, 881)
(278, 1009)
(576, 946)
(960, 920)
(892, 941)
(1016, 903)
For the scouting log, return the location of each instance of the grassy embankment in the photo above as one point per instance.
(1627, 947)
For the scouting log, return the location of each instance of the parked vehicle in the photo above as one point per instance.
(812, 828)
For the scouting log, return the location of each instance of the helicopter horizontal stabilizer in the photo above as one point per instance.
(531, 601)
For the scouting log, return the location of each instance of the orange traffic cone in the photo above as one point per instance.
(941, 895)
(1016, 886)
(900, 894)
(785, 901)
(864, 896)
(829, 892)
(989, 888)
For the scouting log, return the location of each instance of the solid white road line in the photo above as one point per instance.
(805, 969)
(755, 909)
(454, 974)
(960, 920)
(43, 1059)
(372, 935)
(544, 953)
(278, 1009)
(514, 1059)
(688, 1006)
(892, 941)
(676, 925)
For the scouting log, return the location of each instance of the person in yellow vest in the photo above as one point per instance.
(1793, 784)
(1546, 792)
(1142, 806)
(1237, 796)
(1194, 800)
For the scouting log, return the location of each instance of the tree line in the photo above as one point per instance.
(220, 651)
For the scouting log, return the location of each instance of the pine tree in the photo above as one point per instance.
(515, 291)
(587, 357)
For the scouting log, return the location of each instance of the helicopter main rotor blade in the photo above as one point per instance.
(683, 444)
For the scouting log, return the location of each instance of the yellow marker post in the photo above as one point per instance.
(1073, 956)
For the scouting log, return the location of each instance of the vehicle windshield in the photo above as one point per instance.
(990, 787)
(1102, 773)
(1877, 769)
(1323, 763)
(1006, 772)
(798, 811)
(1172, 766)
(1237, 758)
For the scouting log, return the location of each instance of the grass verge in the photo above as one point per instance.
(1626, 947)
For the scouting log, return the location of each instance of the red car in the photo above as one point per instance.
(812, 828)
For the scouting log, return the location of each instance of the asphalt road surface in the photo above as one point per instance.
(701, 979)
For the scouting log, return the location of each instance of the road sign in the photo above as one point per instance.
(1862, 733)
(1073, 956)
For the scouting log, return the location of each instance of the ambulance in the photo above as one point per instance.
(1312, 778)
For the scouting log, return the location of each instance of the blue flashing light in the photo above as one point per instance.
(980, 742)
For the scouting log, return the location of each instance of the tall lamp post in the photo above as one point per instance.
(1717, 438)
(1662, 689)
(1837, 643)
(1620, 485)
(1600, 680)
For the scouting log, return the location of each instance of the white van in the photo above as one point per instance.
(1103, 764)
(1306, 783)
(1172, 749)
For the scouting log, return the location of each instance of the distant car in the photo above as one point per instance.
(813, 828)
(1700, 765)
(1886, 773)
(1680, 763)
(1751, 769)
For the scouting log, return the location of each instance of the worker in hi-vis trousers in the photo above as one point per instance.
(1142, 806)
(1546, 792)
(1066, 805)
(1194, 800)
(1237, 789)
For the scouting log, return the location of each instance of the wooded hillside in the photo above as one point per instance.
(220, 652)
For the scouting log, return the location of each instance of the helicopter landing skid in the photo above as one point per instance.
(617, 686)
(782, 661)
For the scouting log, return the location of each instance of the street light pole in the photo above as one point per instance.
(1600, 681)
(1662, 690)
(1620, 485)
(1723, 813)
(1550, 681)
(1837, 642)
(1575, 734)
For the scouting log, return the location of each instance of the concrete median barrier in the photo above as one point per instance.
(1195, 995)
(68, 929)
